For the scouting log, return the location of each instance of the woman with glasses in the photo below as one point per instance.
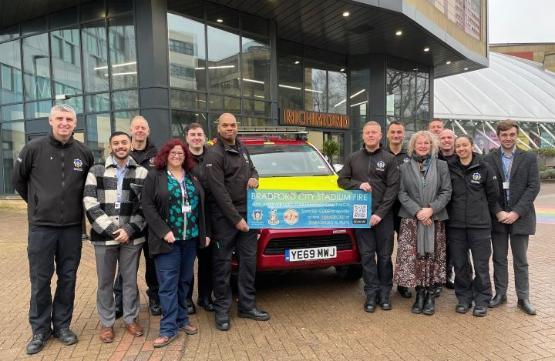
(173, 205)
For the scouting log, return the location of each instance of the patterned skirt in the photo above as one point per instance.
(412, 270)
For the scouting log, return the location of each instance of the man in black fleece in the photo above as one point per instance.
(374, 169)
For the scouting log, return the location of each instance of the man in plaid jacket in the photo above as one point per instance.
(111, 199)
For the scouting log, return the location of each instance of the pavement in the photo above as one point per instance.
(315, 316)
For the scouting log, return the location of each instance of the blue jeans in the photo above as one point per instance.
(175, 274)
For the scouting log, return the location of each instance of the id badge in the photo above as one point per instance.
(186, 208)
(506, 185)
(117, 205)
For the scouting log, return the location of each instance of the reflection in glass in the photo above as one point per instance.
(11, 90)
(180, 119)
(97, 103)
(122, 120)
(123, 58)
(256, 108)
(127, 99)
(315, 92)
(255, 61)
(75, 102)
(66, 61)
(13, 140)
(358, 99)
(35, 110)
(223, 62)
(95, 57)
(290, 71)
(12, 112)
(187, 53)
(337, 92)
(221, 103)
(98, 133)
(36, 67)
(188, 100)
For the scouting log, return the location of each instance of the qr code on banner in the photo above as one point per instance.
(360, 211)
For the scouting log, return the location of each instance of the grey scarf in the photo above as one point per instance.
(427, 191)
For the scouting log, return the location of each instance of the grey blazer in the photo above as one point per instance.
(409, 196)
(523, 189)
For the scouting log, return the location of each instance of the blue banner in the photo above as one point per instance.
(279, 209)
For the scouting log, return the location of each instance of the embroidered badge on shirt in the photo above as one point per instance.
(380, 165)
(78, 164)
(476, 177)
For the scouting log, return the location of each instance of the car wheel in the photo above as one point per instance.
(351, 272)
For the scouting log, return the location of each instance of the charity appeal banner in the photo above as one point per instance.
(279, 209)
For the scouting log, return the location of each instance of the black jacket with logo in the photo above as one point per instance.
(475, 194)
(227, 172)
(145, 157)
(50, 176)
(378, 168)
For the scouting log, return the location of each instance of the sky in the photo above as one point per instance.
(521, 21)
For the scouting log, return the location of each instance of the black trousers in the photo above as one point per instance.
(204, 274)
(227, 239)
(478, 242)
(377, 242)
(519, 248)
(150, 278)
(52, 248)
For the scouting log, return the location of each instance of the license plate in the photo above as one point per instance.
(310, 254)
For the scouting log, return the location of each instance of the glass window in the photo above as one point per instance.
(255, 67)
(98, 134)
(75, 102)
(123, 119)
(11, 90)
(123, 58)
(188, 100)
(127, 99)
(187, 53)
(358, 99)
(35, 110)
(95, 57)
(223, 62)
(180, 119)
(221, 103)
(287, 160)
(66, 61)
(315, 91)
(97, 103)
(36, 67)
(422, 96)
(337, 91)
(12, 112)
(251, 121)
(256, 108)
(13, 140)
(290, 70)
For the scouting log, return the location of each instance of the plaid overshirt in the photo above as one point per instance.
(100, 197)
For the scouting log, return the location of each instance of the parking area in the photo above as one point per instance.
(315, 316)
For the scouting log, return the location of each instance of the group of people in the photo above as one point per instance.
(175, 204)
(188, 201)
(449, 207)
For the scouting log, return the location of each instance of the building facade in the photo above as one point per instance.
(324, 64)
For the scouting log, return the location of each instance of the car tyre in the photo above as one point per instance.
(351, 272)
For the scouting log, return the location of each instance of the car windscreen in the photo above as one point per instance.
(277, 160)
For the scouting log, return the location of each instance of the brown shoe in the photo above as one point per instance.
(162, 341)
(106, 334)
(189, 329)
(135, 329)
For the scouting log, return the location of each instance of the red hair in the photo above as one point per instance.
(161, 160)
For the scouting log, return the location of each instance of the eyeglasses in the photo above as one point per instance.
(177, 154)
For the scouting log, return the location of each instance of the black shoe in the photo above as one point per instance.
(526, 306)
(437, 291)
(370, 304)
(385, 304)
(419, 303)
(255, 314)
(404, 292)
(191, 309)
(154, 308)
(37, 343)
(497, 300)
(206, 303)
(119, 311)
(480, 311)
(462, 308)
(66, 336)
(450, 285)
(222, 322)
(430, 303)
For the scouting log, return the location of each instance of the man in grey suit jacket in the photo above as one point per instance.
(518, 179)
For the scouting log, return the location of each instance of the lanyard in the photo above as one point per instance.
(184, 196)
